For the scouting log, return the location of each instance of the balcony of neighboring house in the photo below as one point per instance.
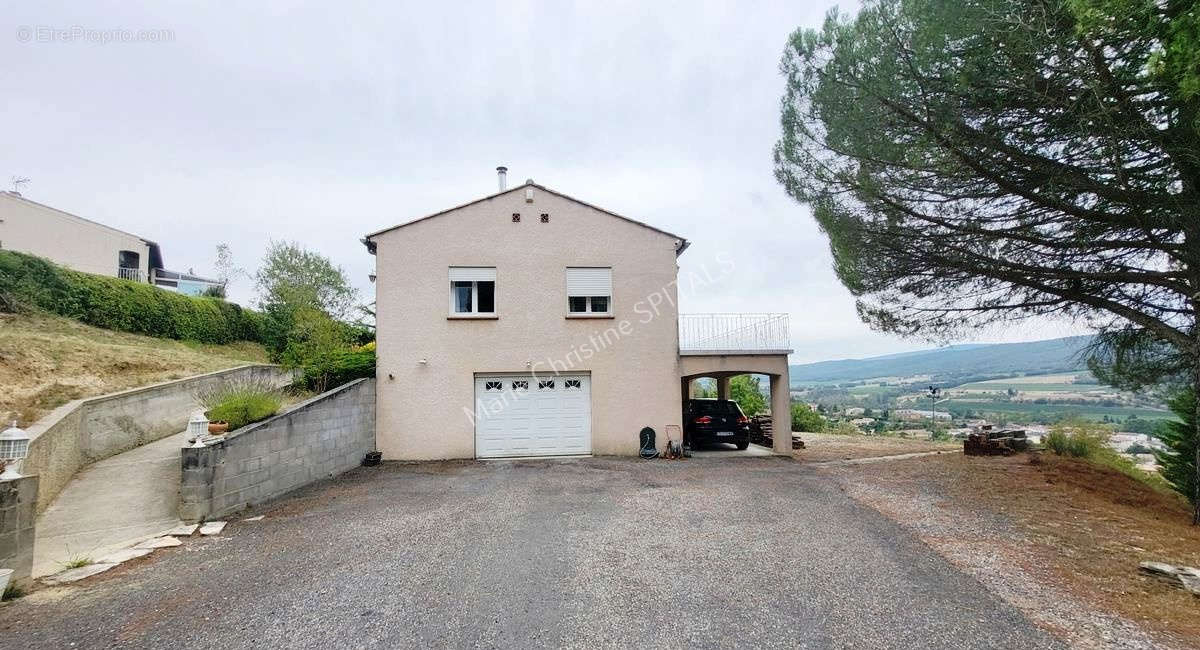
(128, 273)
(188, 283)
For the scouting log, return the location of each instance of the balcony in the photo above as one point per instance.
(734, 334)
(126, 273)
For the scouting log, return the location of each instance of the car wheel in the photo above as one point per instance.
(743, 445)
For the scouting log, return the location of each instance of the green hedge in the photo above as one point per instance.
(337, 368)
(29, 282)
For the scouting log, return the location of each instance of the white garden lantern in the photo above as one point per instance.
(14, 447)
(197, 429)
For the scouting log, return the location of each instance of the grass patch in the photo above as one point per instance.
(240, 402)
(12, 592)
(75, 562)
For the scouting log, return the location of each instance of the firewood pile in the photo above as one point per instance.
(761, 430)
(986, 441)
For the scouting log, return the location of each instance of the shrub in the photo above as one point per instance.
(240, 402)
(246, 408)
(28, 283)
(746, 391)
(806, 419)
(323, 350)
(1077, 444)
(338, 367)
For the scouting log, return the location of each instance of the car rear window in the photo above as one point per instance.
(714, 407)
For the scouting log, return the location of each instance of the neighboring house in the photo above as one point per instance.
(83, 245)
(529, 323)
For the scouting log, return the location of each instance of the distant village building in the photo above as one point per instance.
(1122, 441)
(917, 414)
(855, 411)
(862, 422)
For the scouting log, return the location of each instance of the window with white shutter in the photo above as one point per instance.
(472, 290)
(589, 290)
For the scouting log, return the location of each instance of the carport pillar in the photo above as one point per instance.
(781, 413)
(723, 387)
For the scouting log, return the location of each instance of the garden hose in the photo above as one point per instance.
(648, 450)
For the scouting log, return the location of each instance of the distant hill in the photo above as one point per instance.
(954, 362)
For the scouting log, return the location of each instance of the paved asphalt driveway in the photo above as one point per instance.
(756, 552)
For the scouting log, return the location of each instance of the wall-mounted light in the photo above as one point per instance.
(424, 361)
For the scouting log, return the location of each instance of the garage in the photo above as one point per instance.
(524, 415)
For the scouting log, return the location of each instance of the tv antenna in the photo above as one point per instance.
(17, 182)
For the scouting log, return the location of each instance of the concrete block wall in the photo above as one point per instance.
(87, 430)
(315, 439)
(18, 513)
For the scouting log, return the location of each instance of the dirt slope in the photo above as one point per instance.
(46, 361)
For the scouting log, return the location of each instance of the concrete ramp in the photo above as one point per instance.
(110, 504)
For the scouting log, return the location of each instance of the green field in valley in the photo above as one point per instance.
(1056, 411)
(1002, 386)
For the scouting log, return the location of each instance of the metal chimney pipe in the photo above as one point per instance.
(502, 173)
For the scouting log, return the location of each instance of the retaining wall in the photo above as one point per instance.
(315, 439)
(87, 430)
(18, 503)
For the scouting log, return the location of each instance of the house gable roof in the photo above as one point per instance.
(680, 247)
(155, 251)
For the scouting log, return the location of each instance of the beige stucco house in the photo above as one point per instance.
(530, 323)
(84, 245)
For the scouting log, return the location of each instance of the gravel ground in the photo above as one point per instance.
(760, 552)
(990, 548)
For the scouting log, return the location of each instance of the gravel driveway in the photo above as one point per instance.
(756, 552)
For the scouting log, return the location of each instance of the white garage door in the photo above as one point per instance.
(524, 416)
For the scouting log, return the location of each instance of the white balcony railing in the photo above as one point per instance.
(700, 333)
(129, 274)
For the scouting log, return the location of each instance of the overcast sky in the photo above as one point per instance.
(321, 122)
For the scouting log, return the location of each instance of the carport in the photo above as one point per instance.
(722, 346)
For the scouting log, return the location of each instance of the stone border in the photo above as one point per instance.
(315, 439)
(86, 430)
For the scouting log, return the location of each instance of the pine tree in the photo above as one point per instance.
(1178, 462)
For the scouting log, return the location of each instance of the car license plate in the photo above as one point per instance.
(724, 433)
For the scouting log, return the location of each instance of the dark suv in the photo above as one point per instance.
(707, 421)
